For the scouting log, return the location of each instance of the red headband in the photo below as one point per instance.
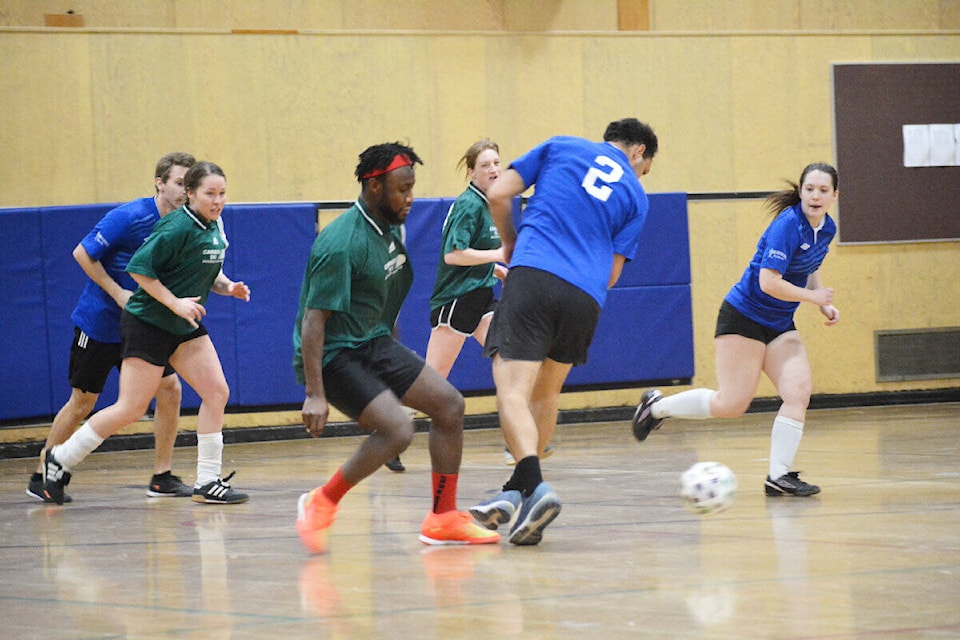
(399, 160)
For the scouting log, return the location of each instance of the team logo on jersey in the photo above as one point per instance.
(776, 254)
(394, 266)
(214, 256)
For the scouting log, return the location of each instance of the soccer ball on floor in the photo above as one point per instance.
(707, 488)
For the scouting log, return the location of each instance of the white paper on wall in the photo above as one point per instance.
(916, 145)
(956, 144)
(943, 145)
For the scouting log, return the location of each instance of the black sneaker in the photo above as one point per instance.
(395, 465)
(643, 420)
(167, 485)
(55, 478)
(35, 488)
(219, 492)
(790, 484)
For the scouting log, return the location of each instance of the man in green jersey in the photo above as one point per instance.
(357, 277)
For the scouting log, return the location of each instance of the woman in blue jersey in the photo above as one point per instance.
(176, 268)
(755, 330)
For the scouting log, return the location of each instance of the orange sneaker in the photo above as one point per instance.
(315, 514)
(454, 527)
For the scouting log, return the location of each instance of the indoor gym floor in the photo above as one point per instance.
(875, 555)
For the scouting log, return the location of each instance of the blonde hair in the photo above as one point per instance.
(469, 159)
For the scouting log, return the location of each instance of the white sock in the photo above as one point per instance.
(784, 442)
(690, 405)
(77, 447)
(209, 457)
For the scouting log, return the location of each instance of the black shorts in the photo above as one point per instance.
(151, 343)
(464, 314)
(731, 321)
(356, 376)
(541, 316)
(91, 362)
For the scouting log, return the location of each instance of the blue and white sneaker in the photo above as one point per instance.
(497, 510)
(539, 509)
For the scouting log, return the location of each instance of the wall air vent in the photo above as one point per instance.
(917, 354)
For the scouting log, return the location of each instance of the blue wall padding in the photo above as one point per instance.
(645, 331)
(272, 242)
(663, 256)
(25, 365)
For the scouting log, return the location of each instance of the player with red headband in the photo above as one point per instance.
(357, 277)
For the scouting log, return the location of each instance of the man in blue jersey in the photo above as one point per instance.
(579, 227)
(103, 255)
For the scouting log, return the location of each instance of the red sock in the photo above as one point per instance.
(336, 487)
(444, 492)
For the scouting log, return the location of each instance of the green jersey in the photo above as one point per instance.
(468, 225)
(359, 270)
(185, 253)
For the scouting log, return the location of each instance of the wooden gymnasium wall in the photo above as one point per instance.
(87, 112)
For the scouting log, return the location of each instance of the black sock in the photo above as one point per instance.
(526, 476)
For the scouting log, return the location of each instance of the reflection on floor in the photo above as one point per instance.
(876, 555)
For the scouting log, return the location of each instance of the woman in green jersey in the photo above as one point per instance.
(176, 268)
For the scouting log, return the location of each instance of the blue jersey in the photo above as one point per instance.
(588, 205)
(791, 247)
(112, 243)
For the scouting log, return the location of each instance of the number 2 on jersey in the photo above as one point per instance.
(608, 172)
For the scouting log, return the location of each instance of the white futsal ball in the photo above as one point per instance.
(708, 487)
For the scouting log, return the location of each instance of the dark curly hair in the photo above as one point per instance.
(632, 131)
(379, 157)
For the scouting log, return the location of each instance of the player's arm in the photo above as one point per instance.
(95, 271)
(616, 269)
(500, 195)
(312, 337)
(773, 284)
(830, 312)
(224, 286)
(189, 309)
(470, 257)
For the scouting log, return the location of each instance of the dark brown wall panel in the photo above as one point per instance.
(880, 199)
